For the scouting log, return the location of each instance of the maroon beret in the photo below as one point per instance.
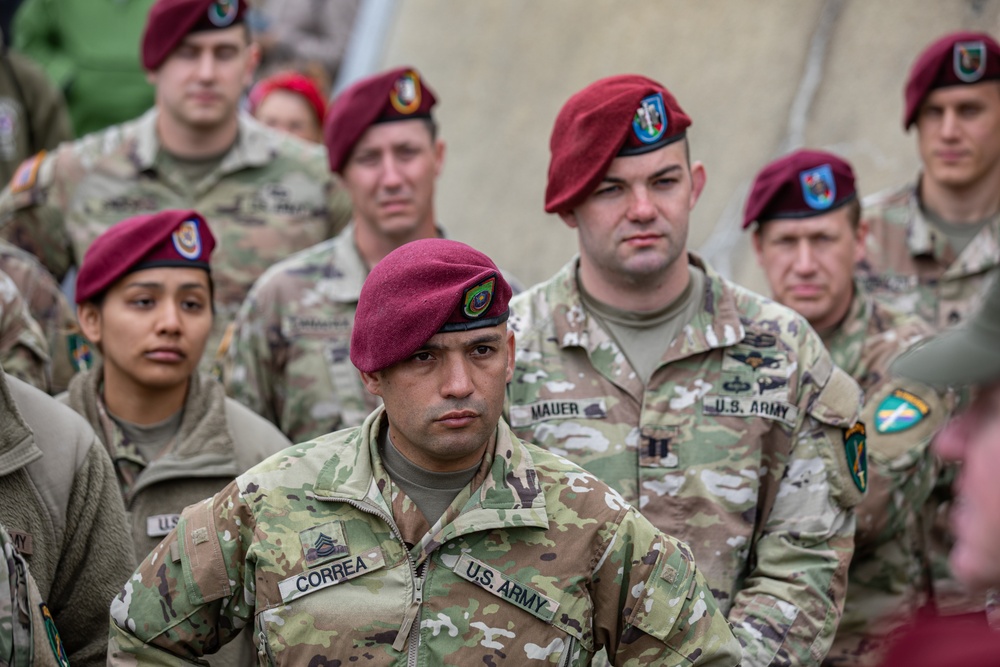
(170, 21)
(955, 59)
(167, 238)
(293, 82)
(399, 94)
(620, 115)
(420, 289)
(800, 185)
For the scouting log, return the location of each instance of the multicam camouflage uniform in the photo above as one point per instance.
(912, 267)
(50, 309)
(23, 350)
(271, 196)
(887, 580)
(738, 445)
(288, 359)
(535, 561)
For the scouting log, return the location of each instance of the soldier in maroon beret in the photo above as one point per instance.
(289, 354)
(933, 245)
(144, 295)
(677, 387)
(808, 237)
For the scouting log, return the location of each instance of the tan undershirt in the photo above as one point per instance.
(191, 171)
(645, 337)
(959, 235)
(432, 492)
(150, 439)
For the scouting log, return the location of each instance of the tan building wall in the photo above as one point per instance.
(757, 77)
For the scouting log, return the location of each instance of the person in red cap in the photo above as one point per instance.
(268, 195)
(716, 411)
(808, 237)
(934, 245)
(430, 534)
(144, 300)
(289, 355)
(290, 102)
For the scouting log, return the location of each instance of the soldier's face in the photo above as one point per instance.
(390, 176)
(444, 402)
(809, 264)
(959, 135)
(972, 439)
(289, 112)
(151, 327)
(633, 228)
(200, 83)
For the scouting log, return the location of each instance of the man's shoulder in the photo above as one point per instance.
(536, 306)
(768, 323)
(286, 152)
(889, 206)
(325, 261)
(300, 465)
(59, 432)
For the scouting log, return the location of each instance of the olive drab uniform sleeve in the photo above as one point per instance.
(24, 352)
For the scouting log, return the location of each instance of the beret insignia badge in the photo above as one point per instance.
(900, 411)
(222, 13)
(857, 454)
(405, 93)
(818, 187)
(650, 119)
(969, 60)
(187, 240)
(478, 299)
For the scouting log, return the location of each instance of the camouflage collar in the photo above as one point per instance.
(254, 146)
(923, 240)
(17, 442)
(511, 491)
(846, 342)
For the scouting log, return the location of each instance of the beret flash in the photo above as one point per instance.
(620, 115)
(168, 238)
(802, 184)
(399, 94)
(956, 59)
(293, 82)
(421, 289)
(170, 21)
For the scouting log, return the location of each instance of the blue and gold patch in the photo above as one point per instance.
(650, 119)
(222, 13)
(856, 451)
(478, 299)
(969, 60)
(899, 411)
(405, 94)
(187, 240)
(818, 187)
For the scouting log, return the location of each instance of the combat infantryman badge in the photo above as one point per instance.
(969, 60)
(857, 455)
(405, 94)
(187, 240)
(900, 411)
(650, 120)
(478, 299)
(818, 187)
(223, 12)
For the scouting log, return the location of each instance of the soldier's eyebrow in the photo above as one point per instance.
(479, 340)
(160, 286)
(657, 174)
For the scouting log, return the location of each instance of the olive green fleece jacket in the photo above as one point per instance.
(59, 500)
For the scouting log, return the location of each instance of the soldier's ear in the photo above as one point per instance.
(372, 382)
(88, 314)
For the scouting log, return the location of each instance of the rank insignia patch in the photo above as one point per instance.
(900, 411)
(478, 299)
(222, 13)
(818, 187)
(324, 543)
(187, 240)
(405, 93)
(855, 448)
(970, 60)
(650, 120)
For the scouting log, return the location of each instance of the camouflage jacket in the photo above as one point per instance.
(738, 446)
(912, 267)
(24, 353)
(50, 309)
(888, 577)
(288, 358)
(535, 561)
(271, 196)
(60, 504)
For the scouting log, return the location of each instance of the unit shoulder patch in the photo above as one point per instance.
(856, 451)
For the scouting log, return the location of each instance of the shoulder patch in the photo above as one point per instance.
(52, 633)
(900, 411)
(856, 451)
(27, 174)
